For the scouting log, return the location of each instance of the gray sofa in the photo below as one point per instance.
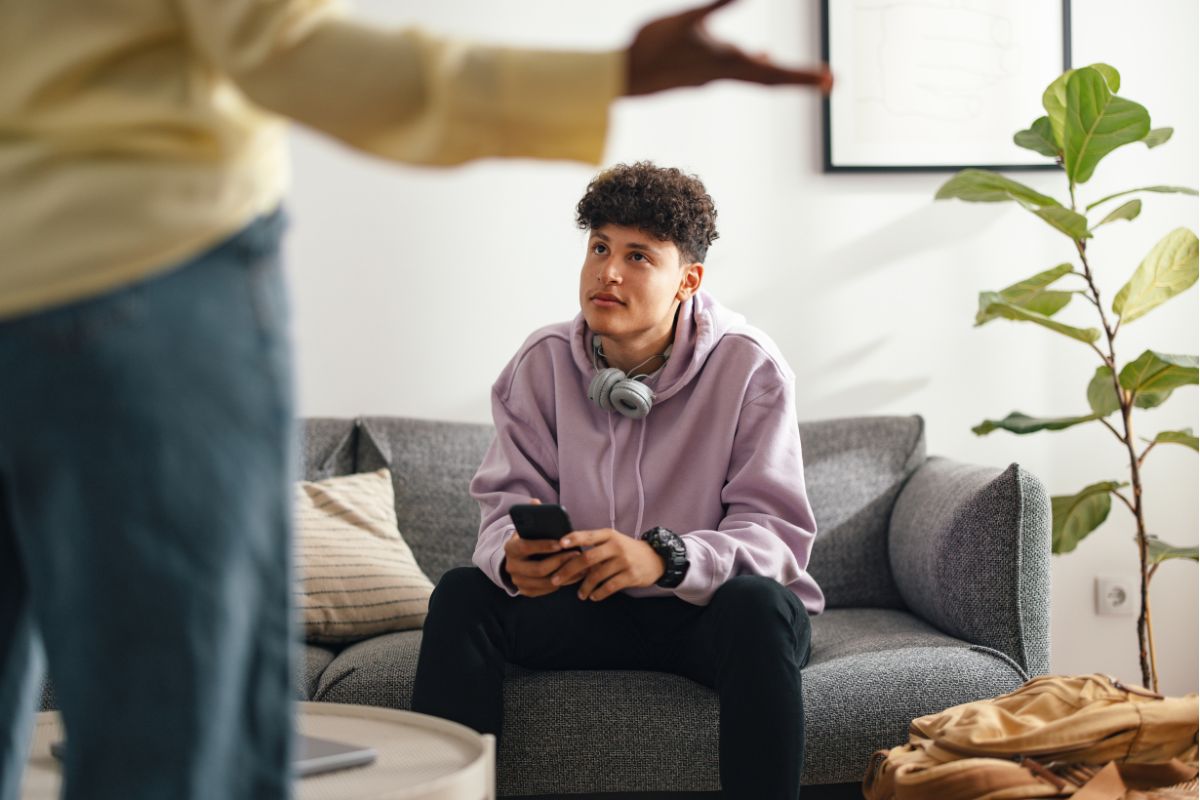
(936, 575)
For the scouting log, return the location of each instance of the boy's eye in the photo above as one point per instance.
(599, 249)
(638, 256)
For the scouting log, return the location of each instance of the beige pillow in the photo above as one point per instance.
(355, 576)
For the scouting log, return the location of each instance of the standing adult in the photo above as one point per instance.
(145, 399)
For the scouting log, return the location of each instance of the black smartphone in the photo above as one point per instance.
(540, 521)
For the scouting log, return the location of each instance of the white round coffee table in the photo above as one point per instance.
(419, 757)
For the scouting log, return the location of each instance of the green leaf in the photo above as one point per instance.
(1184, 437)
(1039, 138)
(985, 186)
(1156, 375)
(991, 303)
(1054, 99)
(1097, 122)
(1102, 394)
(1158, 551)
(1160, 189)
(1071, 223)
(1168, 269)
(1127, 211)
(1077, 515)
(1111, 77)
(1030, 294)
(1019, 423)
(1157, 136)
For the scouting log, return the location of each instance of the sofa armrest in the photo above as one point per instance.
(969, 548)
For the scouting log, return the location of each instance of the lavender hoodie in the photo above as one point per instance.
(717, 460)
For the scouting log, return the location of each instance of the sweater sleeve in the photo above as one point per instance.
(769, 527)
(519, 465)
(403, 94)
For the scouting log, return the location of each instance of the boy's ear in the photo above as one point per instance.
(693, 276)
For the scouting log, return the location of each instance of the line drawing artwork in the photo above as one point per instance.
(938, 81)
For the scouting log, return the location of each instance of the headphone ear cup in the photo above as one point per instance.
(600, 389)
(631, 398)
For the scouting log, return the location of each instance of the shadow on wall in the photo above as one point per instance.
(868, 397)
(795, 308)
(930, 227)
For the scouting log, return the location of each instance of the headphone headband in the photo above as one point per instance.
(612, 390)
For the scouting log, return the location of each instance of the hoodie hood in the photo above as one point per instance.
(700, 324)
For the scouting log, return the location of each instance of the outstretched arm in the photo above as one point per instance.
(678, 51)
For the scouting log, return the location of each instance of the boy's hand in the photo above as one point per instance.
(531, 575)
(614, 562)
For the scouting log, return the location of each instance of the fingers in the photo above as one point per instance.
(767, 73)
(587, 538)
(584, 562)
(621, 580)
(532, 577)
(537, 567)
(599, 574)
(517, 547)
(572, 571)
(700, 12)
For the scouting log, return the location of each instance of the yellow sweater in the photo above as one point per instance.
(134, 133)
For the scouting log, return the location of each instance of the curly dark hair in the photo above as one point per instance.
(666, 203)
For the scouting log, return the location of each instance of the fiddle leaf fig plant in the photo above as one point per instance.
(1085, 121)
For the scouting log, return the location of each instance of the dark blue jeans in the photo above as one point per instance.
(145, 530)
(749, 644)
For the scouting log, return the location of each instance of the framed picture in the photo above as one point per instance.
(938, 85)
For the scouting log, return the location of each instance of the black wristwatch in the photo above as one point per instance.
(670, 549)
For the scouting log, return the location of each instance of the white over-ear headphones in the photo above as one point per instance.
(613, 390)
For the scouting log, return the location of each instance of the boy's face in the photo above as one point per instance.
(630, 283)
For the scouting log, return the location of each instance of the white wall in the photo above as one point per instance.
(414, 286)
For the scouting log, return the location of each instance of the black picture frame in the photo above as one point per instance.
(891, 156)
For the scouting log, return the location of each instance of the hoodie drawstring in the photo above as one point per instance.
(612, 474)
(637, 531)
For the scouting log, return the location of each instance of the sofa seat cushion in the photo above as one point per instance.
(872, 671)
(375, 672)
(314, 659)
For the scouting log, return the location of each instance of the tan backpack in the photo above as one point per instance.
(1086, 737)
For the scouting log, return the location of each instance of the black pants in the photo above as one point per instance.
(749, 644)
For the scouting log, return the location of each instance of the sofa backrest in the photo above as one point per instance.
(853, 471)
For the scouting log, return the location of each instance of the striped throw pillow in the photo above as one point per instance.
(355, 576)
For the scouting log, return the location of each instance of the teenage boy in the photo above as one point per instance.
(666, 426)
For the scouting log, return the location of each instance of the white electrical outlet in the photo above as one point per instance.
(1115, 596)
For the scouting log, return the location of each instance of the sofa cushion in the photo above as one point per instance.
(853, 471)
(872, 671)
(432, 464)
(374, 672)
(955, 522)
(355, 576)
(313, 661)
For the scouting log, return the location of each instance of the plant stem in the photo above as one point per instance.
(1125, 500)
(1108, 425)
(1144, 630)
